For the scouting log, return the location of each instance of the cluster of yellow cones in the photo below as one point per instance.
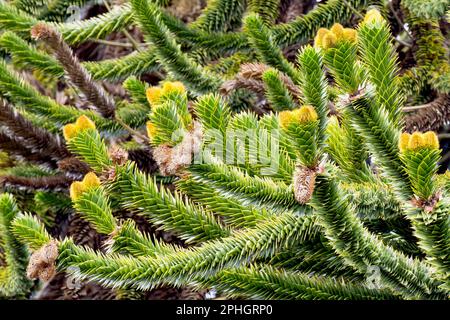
(418, 140)
(154, 95)
(326, 39)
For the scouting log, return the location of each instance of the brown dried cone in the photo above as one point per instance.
(144, 159)
(64, 287)
(42, 263)
(118, 155)
(172, 160)
(77, 73)
(291, 9)
(427, 205)
(82, 232)
(42, 147)
(186, 10)
(304, 179)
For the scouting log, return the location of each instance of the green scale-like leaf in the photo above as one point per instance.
(432, 229)
(342, 62)
(314, 86)
(169, 52)
(94, 206)
(304, 139)
(13, 255)
(381, 136)
(213, 112)
(90, 146)
(379, 56)
(167, 121)
(276, 92)
(421, 166)
(362, 249)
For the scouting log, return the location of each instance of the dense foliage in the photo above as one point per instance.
(246, 152)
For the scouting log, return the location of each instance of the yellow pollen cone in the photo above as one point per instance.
(329, 40)
(431, 140)
(416, 141)
(373, 16)
(151, 130)
(404, 141)
(175, 86)
(350, 35)
(90, 180)
(286, 118)
(84, 122)
(69, 131)
(318, 41)
(307, 114)
(338, 30)
(153, 95)
(76, 189)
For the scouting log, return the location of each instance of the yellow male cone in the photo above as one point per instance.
(175, 86)
(373, 16)
(84, 122)
(153, 95)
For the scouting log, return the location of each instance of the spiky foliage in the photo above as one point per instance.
(427, 9)
(13, 255)
(168, 52)
(175, 181)
(221, 15)
(265, 47)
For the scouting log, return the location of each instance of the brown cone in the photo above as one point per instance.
(42, 263)
(304, 179)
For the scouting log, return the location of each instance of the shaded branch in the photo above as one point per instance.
(54, 183)
(37, 140)
(77, 73)
(16, 149)
(431, 116)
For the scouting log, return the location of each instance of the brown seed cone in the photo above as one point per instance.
(163, 155)
(42, 263)
(304, 179)
(118, 155)
(172, 160)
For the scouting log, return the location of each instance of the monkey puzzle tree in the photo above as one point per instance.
(298, 199)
